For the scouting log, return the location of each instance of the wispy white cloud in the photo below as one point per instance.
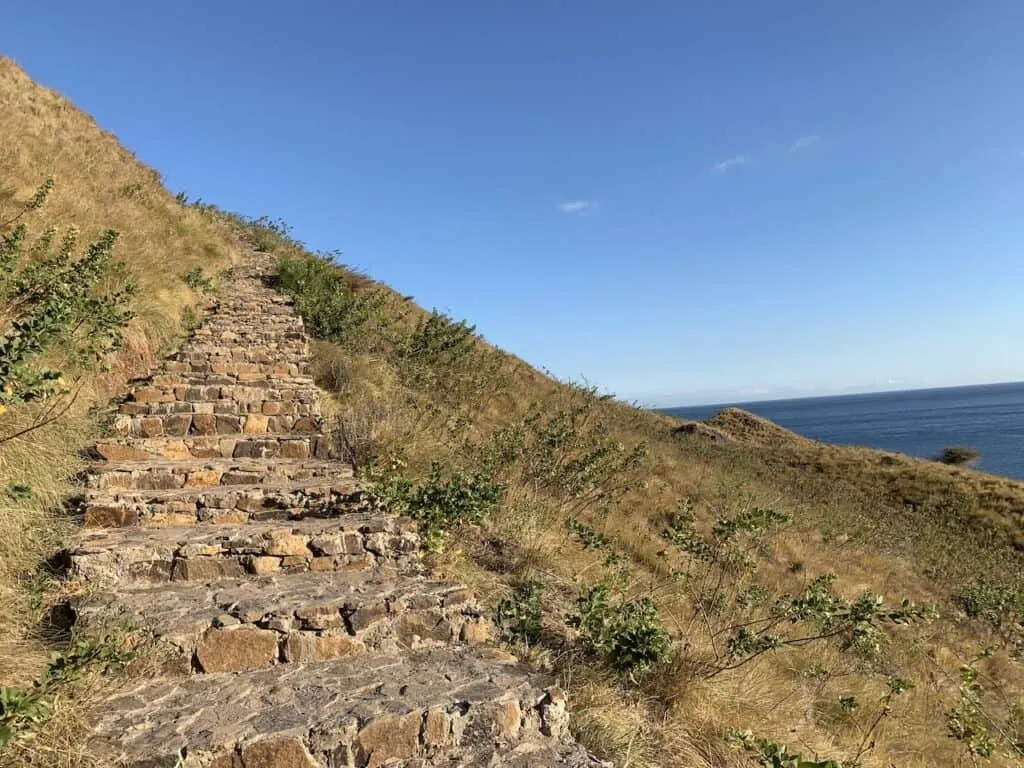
(576, 206)
(728, 165)
(803, 143)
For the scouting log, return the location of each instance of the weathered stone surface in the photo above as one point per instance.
(236, 649)
(277, 753)
(392, 737)
(109, 557)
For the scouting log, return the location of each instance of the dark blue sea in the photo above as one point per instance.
(922, 422)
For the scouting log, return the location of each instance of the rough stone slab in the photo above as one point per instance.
(222, 505)
(200, 473)
(108, 557)
(241, 624)
(223, 445)
(420, 705)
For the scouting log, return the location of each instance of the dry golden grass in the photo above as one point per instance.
(894, 525)
(99, 185)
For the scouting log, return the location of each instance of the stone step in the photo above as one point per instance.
(227, 329)
(243, 624)
(284, 445)
(464, 706)
(295, 406)
(222, 505)
(182, 424)
(155, 475)
(165, 389)
(109, 558)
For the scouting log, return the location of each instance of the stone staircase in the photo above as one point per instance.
(299, 627)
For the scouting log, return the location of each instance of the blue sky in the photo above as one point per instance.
(679, 202)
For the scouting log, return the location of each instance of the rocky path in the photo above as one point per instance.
(299, 626)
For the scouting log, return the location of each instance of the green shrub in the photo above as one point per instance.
(957, 455)
(735, 613)
(1000, 605)
(56, 306)
(197, 280)
(568, 454)
(628, 633)
(518, 618)
(329, 304)
(438, 502)
(447, 359)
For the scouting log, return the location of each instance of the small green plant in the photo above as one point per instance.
(197, 280)
(22, 709)
(771, 754)
(591, 539)
(628, 633)
(518, 618)
(973, 720)
(17, 492)
(438, 502)
(957, 455)
(568, 454)
(1000, 605)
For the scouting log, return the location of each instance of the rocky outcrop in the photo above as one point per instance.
(299, 627)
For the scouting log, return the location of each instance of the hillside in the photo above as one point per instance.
(709, 596)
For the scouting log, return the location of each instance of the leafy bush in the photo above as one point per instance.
(1000, 605)
(628, 633)
(21, 710)
(438, 502)
(772, 754)
(730, 608)
(519, 618)
(957, 455)
(568, 454)
(329, 304)
(197, 280)
(447, 359)
(58, 315)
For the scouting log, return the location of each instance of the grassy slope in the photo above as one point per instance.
(99, 185)
(895, 525)
(898, 526)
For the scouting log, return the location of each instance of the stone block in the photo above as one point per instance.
(295, 449)
(236, 649)
(228, 425)
(277, 752)
(203, 478)
(177, 425)
(151, 427)
(289, 544)
(263, 566)
(389, 738)
(206, 568)
(255, 424)
(112, 516)
(204, 423)
(300, 647)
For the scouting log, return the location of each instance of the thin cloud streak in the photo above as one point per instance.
(803, 143)
(728, 165)
(575, 206)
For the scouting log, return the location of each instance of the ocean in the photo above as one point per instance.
(988, 418)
